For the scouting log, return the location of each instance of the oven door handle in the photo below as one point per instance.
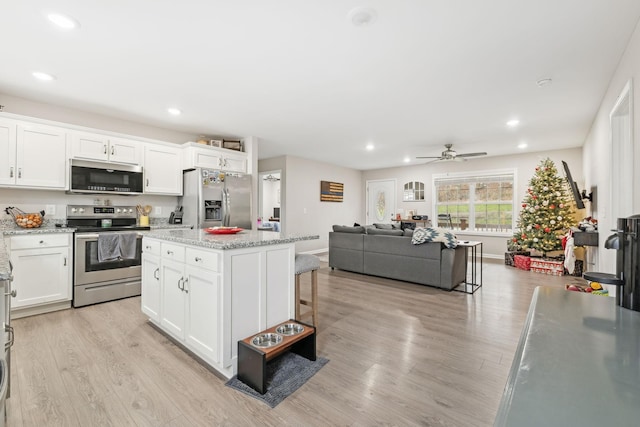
(94, 236)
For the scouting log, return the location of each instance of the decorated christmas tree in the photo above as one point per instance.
(547, 211)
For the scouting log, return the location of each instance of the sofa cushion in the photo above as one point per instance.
(384, 231)
(408, 232)
(383, 226)
(346, 229)
(424, 235)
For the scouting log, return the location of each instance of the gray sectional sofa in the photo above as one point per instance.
(389, 253)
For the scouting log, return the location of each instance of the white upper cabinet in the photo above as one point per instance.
(7, 152)
(32, 155)
(202, 156)
(94, 146)
(162, 172)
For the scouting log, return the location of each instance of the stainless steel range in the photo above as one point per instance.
(98, 280)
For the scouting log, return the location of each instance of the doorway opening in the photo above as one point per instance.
(270, 209)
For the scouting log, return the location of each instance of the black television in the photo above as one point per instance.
(574, 187)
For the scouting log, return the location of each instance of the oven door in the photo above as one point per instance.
(89, 270)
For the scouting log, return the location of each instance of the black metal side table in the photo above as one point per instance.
(471, 284)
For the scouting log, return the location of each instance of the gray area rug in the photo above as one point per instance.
(284, 376)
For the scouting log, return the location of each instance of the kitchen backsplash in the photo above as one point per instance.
(38, 200)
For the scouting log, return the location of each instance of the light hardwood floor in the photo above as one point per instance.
(400, 354)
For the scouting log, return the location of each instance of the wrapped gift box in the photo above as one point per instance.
(547, 266)
(522, 262)
(577, 270)
(509, 257)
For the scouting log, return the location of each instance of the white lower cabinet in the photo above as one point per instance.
(209, 299)
(41, 269)
(151, 286)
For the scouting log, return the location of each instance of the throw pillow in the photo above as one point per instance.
(347, 229)
(425, 235)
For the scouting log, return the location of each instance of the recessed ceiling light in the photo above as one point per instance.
(63, 21)
(362, 16)
(43, 76)
(544, 82)
(522, 145)
(513, 123)
(174, 111)
(407, 159)
(369, 147)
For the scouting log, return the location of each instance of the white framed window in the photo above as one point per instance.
(481, 201)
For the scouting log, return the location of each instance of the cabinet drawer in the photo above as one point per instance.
(39, 241)
(204, 259)
(151, 247)
(174, 252)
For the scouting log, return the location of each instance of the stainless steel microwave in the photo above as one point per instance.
(99, 177)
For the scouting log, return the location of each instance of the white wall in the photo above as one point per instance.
(597, 149)
(301, 208)
(40, 110)
(524, 164)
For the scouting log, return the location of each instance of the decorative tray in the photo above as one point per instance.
(223, 230)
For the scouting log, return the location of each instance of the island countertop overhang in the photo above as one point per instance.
(244, 239)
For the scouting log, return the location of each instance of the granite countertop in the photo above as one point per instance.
(244, 239)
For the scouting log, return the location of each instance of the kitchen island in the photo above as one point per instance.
(209, 291)
(577, 364)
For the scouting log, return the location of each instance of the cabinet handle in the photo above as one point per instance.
(147, 182)
(19, 172)
(41, 242)
(181, 280)
(155, 276)
(105, 148)
(13, 293)
(65, 261)
(198, 259)
(225, 162)
(184, 285)
(148, 247)
(169, 252)
(220, 161)
(113, 151)
(11, 172)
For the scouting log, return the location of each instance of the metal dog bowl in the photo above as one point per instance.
(266, 340)
(289, 329)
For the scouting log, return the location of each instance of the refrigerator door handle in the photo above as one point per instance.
(225, 204)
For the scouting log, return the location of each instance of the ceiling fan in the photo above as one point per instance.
(451, 155)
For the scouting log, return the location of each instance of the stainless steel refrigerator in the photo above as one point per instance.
(212, 198)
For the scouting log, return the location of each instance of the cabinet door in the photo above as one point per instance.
(41, 276)
(41, 156)
(7, 152)
(150, 295)
(206, 158)
(124, 151)
(235, 163)
(203, 311)
(89, 146)
(162, 171)
(172, 313)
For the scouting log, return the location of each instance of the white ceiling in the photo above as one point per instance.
(306, 81)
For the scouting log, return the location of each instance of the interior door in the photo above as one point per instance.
(381, 200)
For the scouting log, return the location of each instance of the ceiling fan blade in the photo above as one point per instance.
(471, 154)
(428, 157)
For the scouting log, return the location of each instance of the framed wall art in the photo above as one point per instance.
(331, 191)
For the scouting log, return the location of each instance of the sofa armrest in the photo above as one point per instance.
(452, 267)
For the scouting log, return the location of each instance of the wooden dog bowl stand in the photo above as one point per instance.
(252, 360)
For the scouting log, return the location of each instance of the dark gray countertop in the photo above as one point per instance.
(577, 364)
(244, 239)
